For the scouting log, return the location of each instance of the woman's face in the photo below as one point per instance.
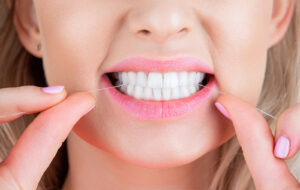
(83, 40)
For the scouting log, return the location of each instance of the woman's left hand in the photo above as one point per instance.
(264, 158)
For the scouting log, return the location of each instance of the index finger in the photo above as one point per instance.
(16, 101)
(257, 142)
(39, 143)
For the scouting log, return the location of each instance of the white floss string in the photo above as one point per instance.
(101, 89)
(260, 110)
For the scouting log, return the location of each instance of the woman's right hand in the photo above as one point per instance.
(37, 146)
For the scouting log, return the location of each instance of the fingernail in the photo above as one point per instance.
(222, 110)
(282, 147)
(90, 110)
(53, 89)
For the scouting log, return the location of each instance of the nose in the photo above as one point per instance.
(160, 20)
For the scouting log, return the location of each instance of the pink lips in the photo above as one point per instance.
(150, 65)
(155, 110)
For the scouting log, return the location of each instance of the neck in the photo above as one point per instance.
(92, 168)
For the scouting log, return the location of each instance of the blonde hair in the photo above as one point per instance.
(280, 91)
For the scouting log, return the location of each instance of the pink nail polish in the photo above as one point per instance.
(53, 89)
(90, 109)
(222, 110)
(282, 147)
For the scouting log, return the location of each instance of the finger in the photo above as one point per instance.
(17, 101)
(39, 143)
(288, 128)
(257, 142)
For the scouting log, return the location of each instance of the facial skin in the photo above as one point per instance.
(82, 39)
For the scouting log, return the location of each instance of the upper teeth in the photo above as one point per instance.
(160, 86)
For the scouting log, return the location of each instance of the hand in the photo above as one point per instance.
(37, 146)
(267, 166)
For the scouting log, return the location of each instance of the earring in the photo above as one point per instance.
(38, 46)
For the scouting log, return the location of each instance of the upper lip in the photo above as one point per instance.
(186, 63)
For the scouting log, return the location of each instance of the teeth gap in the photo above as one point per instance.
(113, 77)
(205, 80)
(114, 80)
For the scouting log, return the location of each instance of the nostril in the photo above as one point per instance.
(184, 30)
(144, 32)
(163, 34)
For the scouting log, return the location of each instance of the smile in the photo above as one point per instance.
(159, 86)
(153, 92)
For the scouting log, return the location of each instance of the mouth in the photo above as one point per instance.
(156, 86)
(155, 90)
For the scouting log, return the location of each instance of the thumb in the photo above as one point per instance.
(257, 143)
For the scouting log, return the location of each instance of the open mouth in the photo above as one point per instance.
(157, 86)
(155, 89)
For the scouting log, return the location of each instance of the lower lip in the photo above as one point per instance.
(156, 110)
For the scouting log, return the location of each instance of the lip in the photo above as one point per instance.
(158, 110)
(187, 63)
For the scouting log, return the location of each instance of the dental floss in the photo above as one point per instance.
(92, 91)
(260, 110)
(100, 89)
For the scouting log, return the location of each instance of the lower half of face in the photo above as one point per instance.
(162, 117)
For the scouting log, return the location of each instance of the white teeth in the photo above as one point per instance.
(155, 80)
(183, 78)
(160, 86)
(147, 93)
(124, 77)
(130, 89)
(192, 78)
(124, 88)
(192, 89)
(138, 92)
(184, 92)
(199, 77)
(157, 93)
(175, 93)
(170, 80)
(166, 93)
(132, 78)
(141, 79)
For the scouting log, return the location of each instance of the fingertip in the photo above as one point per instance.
(53, 89)
(225, 103)
(288, 125)
(59, 92)
(282, 147)
(286, 146)
(222, 110)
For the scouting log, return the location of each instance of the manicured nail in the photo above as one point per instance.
(222, 110)
(90, 110)
(282, 147)
(53, 89)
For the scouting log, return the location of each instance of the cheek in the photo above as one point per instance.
(239, 36)
(75, 41)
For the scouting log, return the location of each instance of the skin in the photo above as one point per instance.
(85, 39)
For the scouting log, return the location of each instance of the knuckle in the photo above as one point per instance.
(24, 89)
